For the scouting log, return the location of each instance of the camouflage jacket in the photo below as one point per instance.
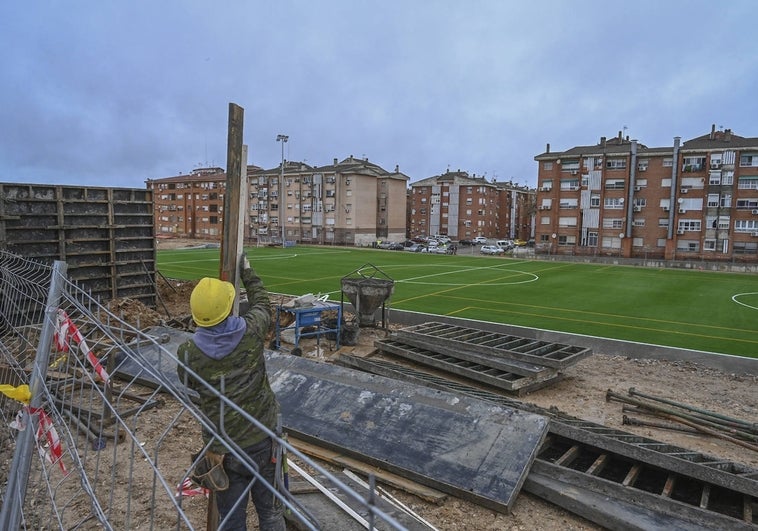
(243, 373)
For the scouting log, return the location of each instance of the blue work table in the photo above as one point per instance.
(309, 316)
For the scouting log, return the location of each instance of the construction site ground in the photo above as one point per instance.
(581, 393)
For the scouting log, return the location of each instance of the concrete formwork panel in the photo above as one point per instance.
(465, 447)
(105, 235)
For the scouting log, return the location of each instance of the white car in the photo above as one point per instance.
(491, 249)
(480, 240)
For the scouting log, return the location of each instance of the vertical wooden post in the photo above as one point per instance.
(230, 245)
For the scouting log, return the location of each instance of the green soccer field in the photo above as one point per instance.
(714, 312)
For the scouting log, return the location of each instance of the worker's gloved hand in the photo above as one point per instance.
(244, 263)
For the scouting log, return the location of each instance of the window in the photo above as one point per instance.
(722, 223)
(668, 163)
(642, 164)
(592, 239)
(743, 204)
(638, 222)
(611, 242)
(616, 164)
(613, 203)
(570, 165)
(749, 160)
(595, 201)
(691, 246)
(713, 200)
(749, 182)
(545, 220)
(613, 223)
(566, 240)
(689, 225)
(567, 222)
(570, 184)
(547, 185)
(745, 225)
(745, 247)
(568, 203)
(547, 166)
(693, 163)
(614, 184)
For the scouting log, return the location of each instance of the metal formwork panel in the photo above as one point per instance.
(501, 346)
(455, 444)
(607, 474)
(105, 235)
(508, 377)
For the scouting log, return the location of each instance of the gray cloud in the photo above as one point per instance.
(99, 93)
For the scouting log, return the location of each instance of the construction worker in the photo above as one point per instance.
(227, 351)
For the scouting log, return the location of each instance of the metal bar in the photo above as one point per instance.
(750, 426)
(18, 474)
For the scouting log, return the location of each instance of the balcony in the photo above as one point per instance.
(688, 168)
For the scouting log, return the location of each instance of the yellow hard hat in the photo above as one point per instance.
(211, 301)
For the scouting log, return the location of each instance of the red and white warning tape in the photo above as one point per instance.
(65, 329)
(187, 488)
(45, 432)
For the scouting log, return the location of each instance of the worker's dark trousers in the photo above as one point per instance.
(270, 510)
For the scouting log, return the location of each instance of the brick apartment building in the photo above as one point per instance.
(463, 207)
(697, 200)
(352, 202)
(189, 206)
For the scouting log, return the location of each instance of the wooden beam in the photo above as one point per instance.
(230, 244)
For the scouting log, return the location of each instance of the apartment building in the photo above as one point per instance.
(348, 202)
(189, 206)
(352, 202)
(463, 207)
(690, 201)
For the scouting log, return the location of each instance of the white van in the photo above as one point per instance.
(505, 244)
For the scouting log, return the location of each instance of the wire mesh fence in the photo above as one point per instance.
(89, 445)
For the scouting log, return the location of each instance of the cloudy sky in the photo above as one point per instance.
(113, 93)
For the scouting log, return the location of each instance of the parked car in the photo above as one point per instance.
(519, 243)
(395, 246)
(415, 248)
(480, 240)
(465, 242)
(491, 249)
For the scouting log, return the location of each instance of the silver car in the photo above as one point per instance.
(491, 249)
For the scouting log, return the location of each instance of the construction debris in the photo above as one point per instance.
(706, 422)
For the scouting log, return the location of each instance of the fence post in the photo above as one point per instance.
(18, 475)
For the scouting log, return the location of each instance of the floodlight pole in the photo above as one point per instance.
(283, 139)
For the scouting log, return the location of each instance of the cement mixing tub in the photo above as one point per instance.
(368, 288)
